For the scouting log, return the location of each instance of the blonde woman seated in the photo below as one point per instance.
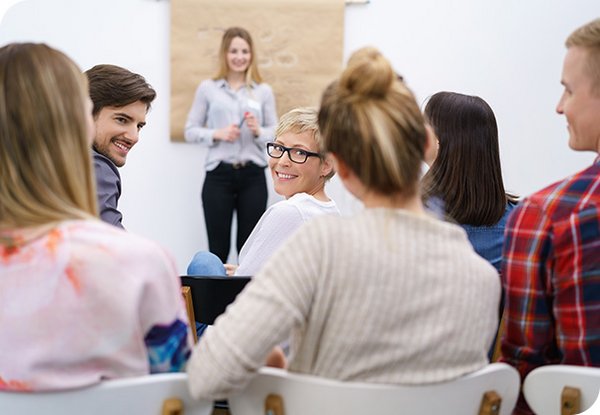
(390, 295)
(80, 300)
(299, 170)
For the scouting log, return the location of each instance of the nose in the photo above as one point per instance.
(560, 105)
(132, 134)
(285, 159)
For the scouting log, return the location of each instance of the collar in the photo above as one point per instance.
(222, 83)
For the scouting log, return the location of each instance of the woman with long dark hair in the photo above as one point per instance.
(466, 176)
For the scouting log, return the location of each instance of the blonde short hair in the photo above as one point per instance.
(45, 161)
(300, 120)
(588, 37)
(370, 120)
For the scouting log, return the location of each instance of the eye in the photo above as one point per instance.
(278, 148)
(299, 152)
(121, 120)
(140, 126)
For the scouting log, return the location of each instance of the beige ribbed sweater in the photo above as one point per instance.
(384, 296)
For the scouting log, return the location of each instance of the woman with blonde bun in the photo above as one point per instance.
(390, 295)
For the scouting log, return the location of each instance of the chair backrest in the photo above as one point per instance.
(186, 292)
(160, 394)
(298, 394)
(212, 295)
(561, 389)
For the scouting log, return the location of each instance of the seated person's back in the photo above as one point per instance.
(390, 295)
(80, 300)
(466, 175)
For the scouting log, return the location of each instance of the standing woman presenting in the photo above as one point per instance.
(234, 115)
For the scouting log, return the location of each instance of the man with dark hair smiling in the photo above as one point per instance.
(121, 101)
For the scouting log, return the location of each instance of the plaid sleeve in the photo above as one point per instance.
(528, 340)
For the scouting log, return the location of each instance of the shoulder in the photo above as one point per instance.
(263, 88)
(283, 209)
(210, 85)
(113, 247)
(103, 165)
(563, 198)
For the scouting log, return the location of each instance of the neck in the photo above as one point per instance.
(318, 193)
(236, 78)
(394, 201)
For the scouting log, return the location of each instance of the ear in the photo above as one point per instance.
(327, 163)
(340, 167)
(431, 145)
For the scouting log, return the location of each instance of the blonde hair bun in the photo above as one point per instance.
(368, 75)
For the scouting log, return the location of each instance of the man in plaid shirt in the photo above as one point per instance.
(551, 267)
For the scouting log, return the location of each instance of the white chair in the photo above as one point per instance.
(160, 394)
(281, 392)
(561, 389)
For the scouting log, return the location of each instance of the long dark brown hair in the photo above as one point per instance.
(466, 175)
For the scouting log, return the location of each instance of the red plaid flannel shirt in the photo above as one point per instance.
(551, 276)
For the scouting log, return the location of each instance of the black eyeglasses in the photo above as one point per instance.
(297, 155)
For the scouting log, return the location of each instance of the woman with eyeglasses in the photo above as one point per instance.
(299, 169)
(389, 295)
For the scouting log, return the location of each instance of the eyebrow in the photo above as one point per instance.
(125, 115)
(300, 146)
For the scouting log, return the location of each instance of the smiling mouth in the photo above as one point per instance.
(285, 176)
(124, 147)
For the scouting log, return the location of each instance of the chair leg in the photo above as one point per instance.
(570, 401)
(172, 406)
(189, 305)
(274, 405)
(490, 403)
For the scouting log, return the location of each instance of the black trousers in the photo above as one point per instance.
(230, 188)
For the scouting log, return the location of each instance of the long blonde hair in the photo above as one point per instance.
(45, 161)
(370, 120)
(252, 73)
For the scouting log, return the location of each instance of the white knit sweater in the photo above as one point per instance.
(276, 225)
(384, 296)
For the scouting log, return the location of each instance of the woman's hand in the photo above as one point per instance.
(276, 358)
(229, 133)
(252, 123)
(230, 269)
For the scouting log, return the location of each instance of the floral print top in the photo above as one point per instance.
(84, 301)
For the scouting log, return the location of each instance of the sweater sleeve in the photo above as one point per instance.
(163, 316)
(277, 300)
(281, 222)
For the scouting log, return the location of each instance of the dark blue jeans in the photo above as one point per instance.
(230, 188)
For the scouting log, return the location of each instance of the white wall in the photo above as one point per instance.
(507, 51)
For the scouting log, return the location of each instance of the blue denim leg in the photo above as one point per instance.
(206, 263)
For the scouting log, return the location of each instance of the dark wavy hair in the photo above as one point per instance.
(113, 86)
(466, 176)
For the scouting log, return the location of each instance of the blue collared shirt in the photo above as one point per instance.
(216, 105)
